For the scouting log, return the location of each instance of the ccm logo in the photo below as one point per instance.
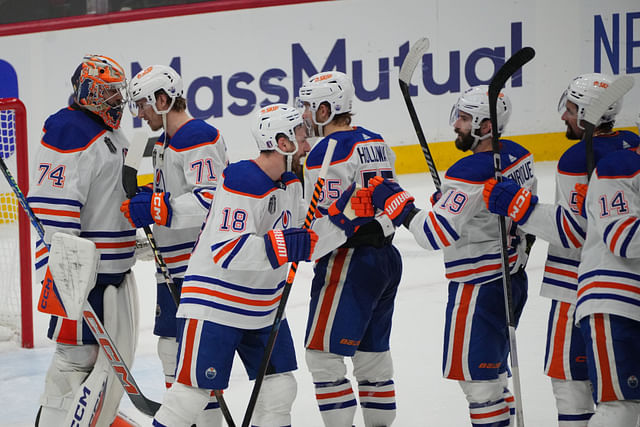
(519, 203)
(156, 205)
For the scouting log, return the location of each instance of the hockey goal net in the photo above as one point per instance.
(16, 315)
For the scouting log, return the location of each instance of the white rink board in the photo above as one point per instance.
(233, 60)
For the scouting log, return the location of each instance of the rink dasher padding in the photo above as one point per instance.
(544, 146)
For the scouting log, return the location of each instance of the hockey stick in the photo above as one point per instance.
(406, 72)
(311, 212)
(130, 184)
(142, 403)
(509, 68)
(596, 109)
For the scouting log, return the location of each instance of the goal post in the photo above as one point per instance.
(16, 312)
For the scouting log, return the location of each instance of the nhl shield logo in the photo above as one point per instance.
(272, 204)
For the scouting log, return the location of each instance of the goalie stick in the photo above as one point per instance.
(142, 403)
(311, 212)
(596, 109)
(505, 72)
(409, 65)
(130, 184)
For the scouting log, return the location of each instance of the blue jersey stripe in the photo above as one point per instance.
(232, 286)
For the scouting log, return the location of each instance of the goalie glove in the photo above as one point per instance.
(147, 208)
(507, 198)
(350, 212)
(391, 198)
(289, 245)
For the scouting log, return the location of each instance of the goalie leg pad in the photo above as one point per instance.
(574, 402)
(616, 413)
(69, 367)
(273, 408)
(168, 353)
(334, 394)
(486, 397)
(181, 406)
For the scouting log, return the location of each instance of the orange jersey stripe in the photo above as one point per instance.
(567, 231)
(225, 250)
(608, 285)
(479, 269)
(616, 236)
(561, 272)
(438, 230)
(233, 298)
(177, 258)
(56, 212)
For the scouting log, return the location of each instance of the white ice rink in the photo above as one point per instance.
(424, 398)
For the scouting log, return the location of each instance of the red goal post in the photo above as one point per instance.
(16, 313)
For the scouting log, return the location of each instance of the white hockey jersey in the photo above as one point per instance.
(229, 279)
(561, 224)
(609, 272)
(187, 168)
(461, 225)
(76, 188)
(359, 155)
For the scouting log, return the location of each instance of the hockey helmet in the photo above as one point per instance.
(147, 82)
(100, 86)
(475, 102)
(583, 90)
(332, 87)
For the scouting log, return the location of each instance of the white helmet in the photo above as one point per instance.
(582, 90)
(475, 102)
(150, 80)
(332, 87)
(273, 120)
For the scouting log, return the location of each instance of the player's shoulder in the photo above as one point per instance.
(289, 178)
(512, 148)
(193, 134)
(475, 168)
(246, 178)
(346, 141)
(71, 130)
(619, 164)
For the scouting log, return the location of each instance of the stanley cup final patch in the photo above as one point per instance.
(272, 204)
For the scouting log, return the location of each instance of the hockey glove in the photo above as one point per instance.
(507, 198)
(289, 245)
(581, 194)
(390, 197)
(146, 208)
(343, 214)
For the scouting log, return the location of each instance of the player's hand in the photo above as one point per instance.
(435, 197)
(289, 245)
(390, 197)
(344, 214)
(581, 194)
(146, 208)
(507, 198)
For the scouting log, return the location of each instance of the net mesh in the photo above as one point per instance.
(9, 237)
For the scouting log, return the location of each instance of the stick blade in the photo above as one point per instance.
(509, 68)
(611, 94)
(412, 59)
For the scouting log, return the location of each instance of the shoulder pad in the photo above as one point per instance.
(192, 134)
(475, 168)
(619, 164)
(347, 140)
(70, 130)
(246, 178)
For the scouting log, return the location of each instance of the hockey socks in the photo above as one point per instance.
(336, 402)
(378, 402)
